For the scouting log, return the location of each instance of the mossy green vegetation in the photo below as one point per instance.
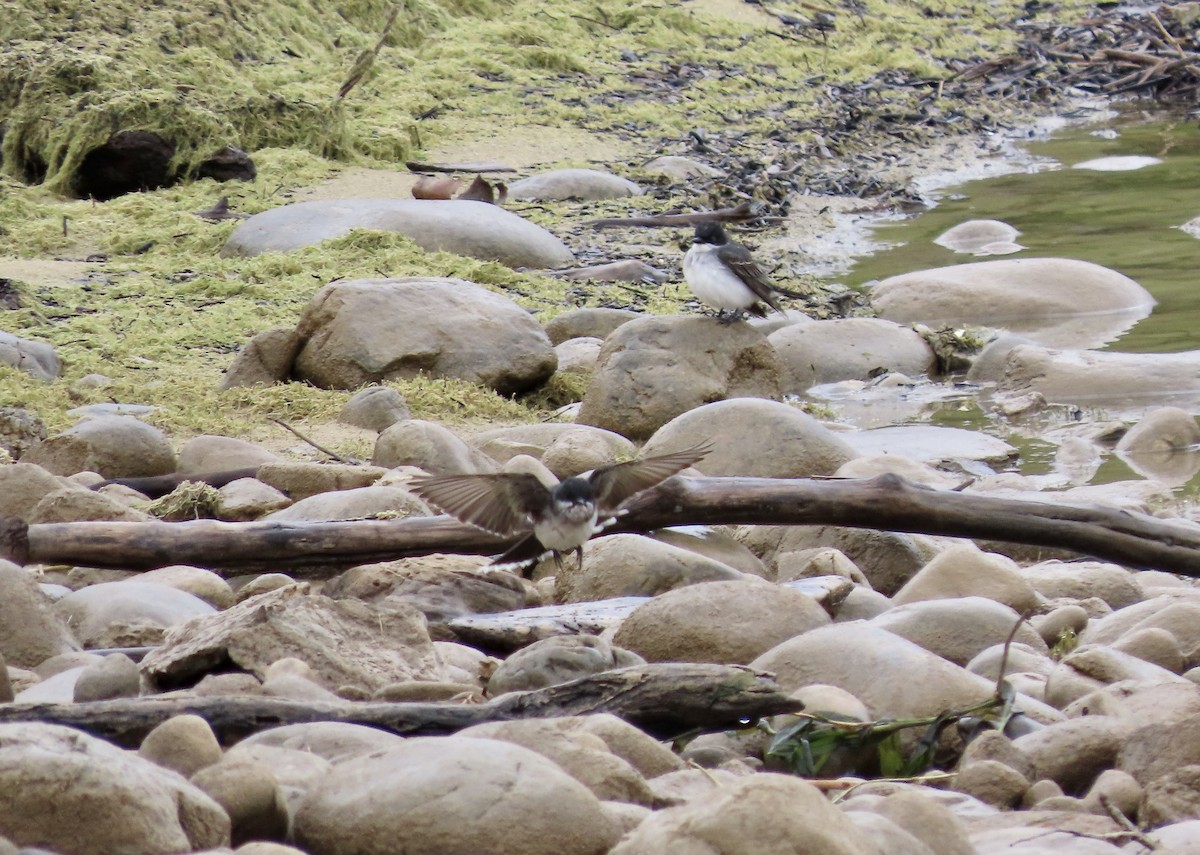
(161, 312)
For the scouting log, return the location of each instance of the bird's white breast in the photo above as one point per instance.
(564, 530)
(712, 282)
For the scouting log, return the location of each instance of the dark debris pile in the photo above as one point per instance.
(1152, 53)
(1119, 52)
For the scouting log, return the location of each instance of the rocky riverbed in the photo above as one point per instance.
(229, 624)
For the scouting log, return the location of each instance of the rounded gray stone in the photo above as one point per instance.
(474, 229)
(561, 184)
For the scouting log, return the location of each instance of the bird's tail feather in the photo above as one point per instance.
(522, 555)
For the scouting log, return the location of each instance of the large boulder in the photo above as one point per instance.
(114, 446)
(655, 368)
(587, 760)
(473, 229)
(848, 349)
(430, 446)
(1042, 297)
(451, 795)
(629, 565)
(371, 330)
(65, 791)
(263, 360)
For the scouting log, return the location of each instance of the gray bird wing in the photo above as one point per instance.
(502, 503)
(738, 259)
(618, 482)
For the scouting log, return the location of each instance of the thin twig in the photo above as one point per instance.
(1126, 823)
(339, 458)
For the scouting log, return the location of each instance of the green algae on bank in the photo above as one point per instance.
(206, 73)
(162, 314)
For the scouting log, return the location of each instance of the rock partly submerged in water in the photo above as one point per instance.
(1123, 381)
(848, 349)
(474, 229)
(980, 237)
(1057, 302)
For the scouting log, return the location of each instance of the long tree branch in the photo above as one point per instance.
(665, 699)
(886, 503)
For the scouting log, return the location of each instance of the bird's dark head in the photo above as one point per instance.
(574, 491)
(712, 233)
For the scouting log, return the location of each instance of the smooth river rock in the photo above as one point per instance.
(473, 229)
(787, 443)
(653, 369)
(451, 795)
(68, 792)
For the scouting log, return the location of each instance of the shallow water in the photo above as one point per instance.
(1126, 220)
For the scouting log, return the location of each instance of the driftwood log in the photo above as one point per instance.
(739, 213)
(665, 700)
(887, 503)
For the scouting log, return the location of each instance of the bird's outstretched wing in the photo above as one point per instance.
(615, 484)
(501, 503)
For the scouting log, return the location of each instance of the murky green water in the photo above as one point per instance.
(1127, 221)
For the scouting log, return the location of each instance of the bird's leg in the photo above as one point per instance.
(558, 561)
(579, 558)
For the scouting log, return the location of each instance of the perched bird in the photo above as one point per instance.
(559, 518)
(724, 275)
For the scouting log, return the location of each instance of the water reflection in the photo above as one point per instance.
(1121, 195)
(1127, 220)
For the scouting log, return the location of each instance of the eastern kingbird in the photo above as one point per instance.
(724, 275)
(559, 518)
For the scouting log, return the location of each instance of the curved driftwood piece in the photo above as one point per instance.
(743, 211)
(663, 699)
(887, 503)
(157, 486)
